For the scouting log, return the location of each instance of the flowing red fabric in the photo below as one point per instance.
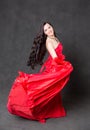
(37, 96)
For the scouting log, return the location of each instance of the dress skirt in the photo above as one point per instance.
(37, 96)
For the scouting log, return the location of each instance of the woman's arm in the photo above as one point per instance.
(51, 50)
(53, 54)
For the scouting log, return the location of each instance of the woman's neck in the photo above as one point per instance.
(53, 38)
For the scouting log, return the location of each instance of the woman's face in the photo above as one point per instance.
(48, 30)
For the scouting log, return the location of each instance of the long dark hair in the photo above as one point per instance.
(38, 49)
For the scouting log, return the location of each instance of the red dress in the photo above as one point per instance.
(37, 96)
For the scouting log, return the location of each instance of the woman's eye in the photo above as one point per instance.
(45, 30)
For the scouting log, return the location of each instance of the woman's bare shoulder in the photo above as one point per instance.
(49, 43)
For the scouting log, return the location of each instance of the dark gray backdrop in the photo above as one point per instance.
(19, 23)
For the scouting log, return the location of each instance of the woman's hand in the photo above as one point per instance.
(56, 60)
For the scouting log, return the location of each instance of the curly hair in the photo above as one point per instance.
(38, 49)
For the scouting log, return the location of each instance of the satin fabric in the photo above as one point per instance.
(37, 96)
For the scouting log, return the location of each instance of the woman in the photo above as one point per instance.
(37, 96)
